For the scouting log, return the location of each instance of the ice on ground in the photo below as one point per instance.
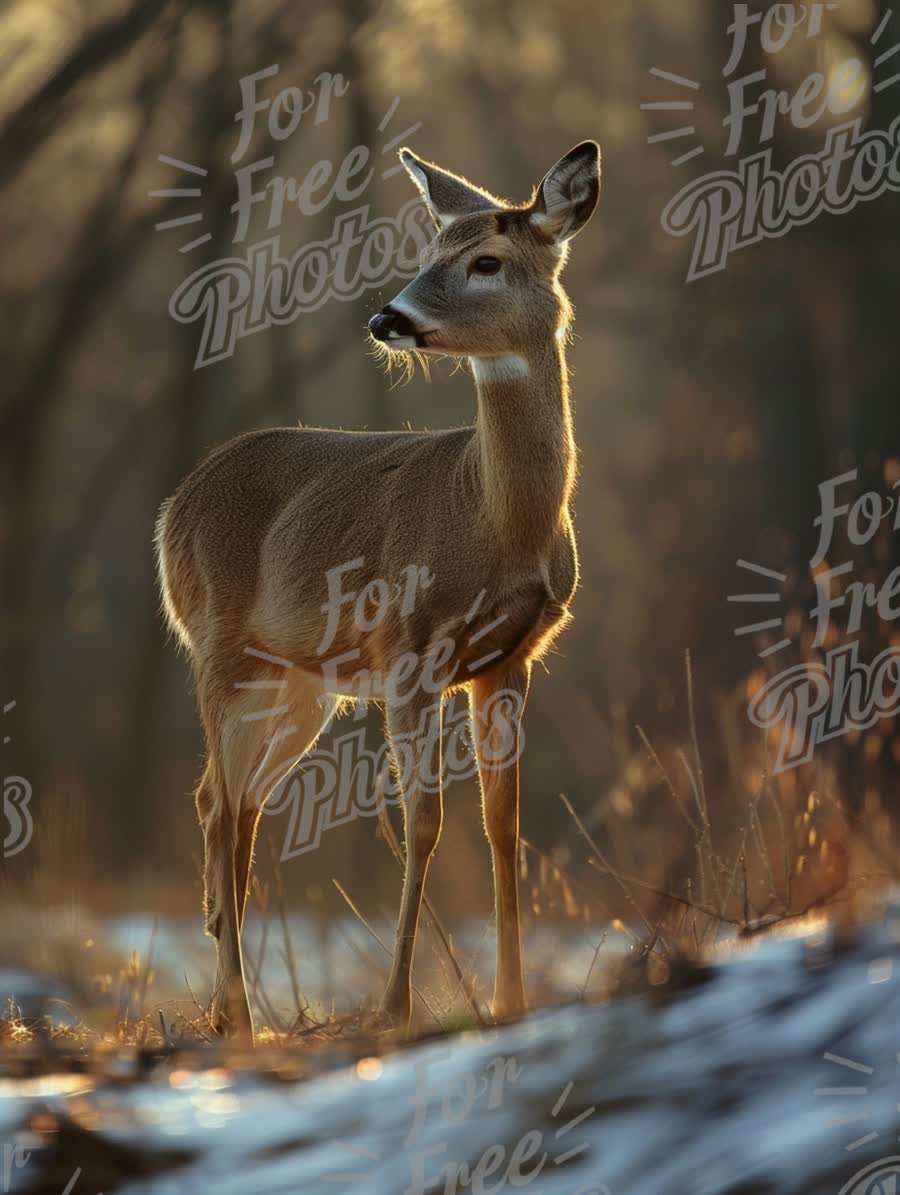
(774, 1070)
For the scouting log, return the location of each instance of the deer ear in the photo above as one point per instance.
(446, 196)
(566, 199)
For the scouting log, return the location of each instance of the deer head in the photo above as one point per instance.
(488, 284)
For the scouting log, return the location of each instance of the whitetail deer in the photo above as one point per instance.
(246, 542)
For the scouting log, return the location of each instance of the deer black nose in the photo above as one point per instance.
(389, 321)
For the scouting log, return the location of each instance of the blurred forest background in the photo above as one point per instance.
(706, 414)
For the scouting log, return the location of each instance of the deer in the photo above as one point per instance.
(250, 543)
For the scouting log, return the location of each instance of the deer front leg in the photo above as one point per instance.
(497, 701)
(414, 729)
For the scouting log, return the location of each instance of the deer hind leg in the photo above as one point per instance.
(230, 1010)
(497, 701)
(255, 736)
(414, 730)
(289, 737)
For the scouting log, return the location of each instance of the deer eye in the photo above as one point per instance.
(486, 265)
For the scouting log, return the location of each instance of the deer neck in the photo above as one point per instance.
(524, 443)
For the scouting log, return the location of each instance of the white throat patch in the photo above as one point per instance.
(508, 367)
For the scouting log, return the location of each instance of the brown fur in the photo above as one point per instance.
(246, 542)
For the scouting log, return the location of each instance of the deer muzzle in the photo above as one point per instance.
(390, 324)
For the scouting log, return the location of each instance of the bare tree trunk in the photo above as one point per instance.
(138, 814)
(26, 420)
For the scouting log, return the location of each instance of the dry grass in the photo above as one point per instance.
(688, 882)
